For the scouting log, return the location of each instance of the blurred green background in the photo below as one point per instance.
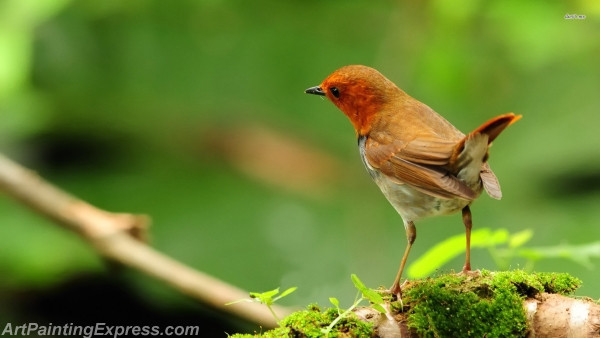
(194, 113)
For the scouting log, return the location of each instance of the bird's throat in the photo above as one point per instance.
(361, 115)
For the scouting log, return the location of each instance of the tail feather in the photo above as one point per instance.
(491, 128)
(495, 126)
(470, 154)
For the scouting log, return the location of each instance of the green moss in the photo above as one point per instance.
(560, 283)
(489, 305)
(309, 322)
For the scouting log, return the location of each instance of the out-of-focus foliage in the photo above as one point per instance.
(503, 248)
(194, 112)
(22, 111)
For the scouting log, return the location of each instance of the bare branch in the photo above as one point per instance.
(116, 236)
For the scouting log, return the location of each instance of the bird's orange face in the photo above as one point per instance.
(360, 92)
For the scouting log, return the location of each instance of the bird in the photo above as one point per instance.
(422, 163)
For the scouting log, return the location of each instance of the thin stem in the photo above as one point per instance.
(343, 315)
(274, 314)
(112, 235)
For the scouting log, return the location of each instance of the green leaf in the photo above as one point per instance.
(335, 302)
(579, 253)
(286, 292)
(446, 250)
(270, 294)
(265, 297)
(379, 308)
(357, 283)
(518, 239)
(499, 236)
(371, 295)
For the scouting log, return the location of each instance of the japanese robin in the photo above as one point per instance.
(422, 163)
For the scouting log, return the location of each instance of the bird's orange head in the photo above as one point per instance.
(360, 92)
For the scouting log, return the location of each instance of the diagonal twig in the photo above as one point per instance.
(116, 236)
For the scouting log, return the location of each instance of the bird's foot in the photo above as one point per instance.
(396, 289)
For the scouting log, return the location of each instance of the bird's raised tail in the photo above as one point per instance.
(484, 134)
(495, 126)
(469, 158)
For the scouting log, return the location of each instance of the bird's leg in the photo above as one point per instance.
(466, 216)
(411, 235)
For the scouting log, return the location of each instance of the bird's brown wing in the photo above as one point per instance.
(419, 163)
(426, 150)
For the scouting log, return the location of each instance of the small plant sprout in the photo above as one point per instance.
(267, 298)
(341, 314)
(371, 295)
(368, 294)
(335, 303)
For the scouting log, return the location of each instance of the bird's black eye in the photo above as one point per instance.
(335, 92)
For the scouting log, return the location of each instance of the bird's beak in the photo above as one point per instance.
(316, 90)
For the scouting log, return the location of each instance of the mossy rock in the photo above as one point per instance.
(312, 321)
(485, 304)
(489, 304)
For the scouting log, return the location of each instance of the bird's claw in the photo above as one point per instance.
(396, 289)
